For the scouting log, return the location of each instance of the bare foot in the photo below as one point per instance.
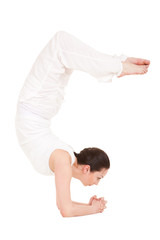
(134, 66)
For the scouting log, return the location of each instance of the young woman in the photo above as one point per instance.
(40, 99)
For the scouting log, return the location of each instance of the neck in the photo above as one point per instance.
(76, 170)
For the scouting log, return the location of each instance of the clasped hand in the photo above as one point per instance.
(99, 204)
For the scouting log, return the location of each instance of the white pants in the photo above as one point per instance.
(42, 92)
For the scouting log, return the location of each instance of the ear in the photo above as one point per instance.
(86, 169)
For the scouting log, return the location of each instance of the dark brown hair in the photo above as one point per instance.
(96, 158)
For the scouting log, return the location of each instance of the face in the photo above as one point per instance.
(92, 178)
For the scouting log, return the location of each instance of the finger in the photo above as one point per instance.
(95, 196)
(91, 199)
(103, 204)
(101, 210)
(104, 201)
(101, 198)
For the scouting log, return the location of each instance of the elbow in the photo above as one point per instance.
(66, 212)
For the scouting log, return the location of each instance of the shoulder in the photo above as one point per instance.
(58, 157)
(61, 154)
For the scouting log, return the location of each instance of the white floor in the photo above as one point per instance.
(121, 117)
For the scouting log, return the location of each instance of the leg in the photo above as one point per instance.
(76, 55)
(65, 51)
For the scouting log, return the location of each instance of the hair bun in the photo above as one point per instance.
(76, 154)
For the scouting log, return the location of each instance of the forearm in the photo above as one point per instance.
(78, 203)
(80, 209)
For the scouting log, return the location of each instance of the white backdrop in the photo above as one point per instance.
(121, 117)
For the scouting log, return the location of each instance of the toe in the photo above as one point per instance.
(146, 62)
(140, 61)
